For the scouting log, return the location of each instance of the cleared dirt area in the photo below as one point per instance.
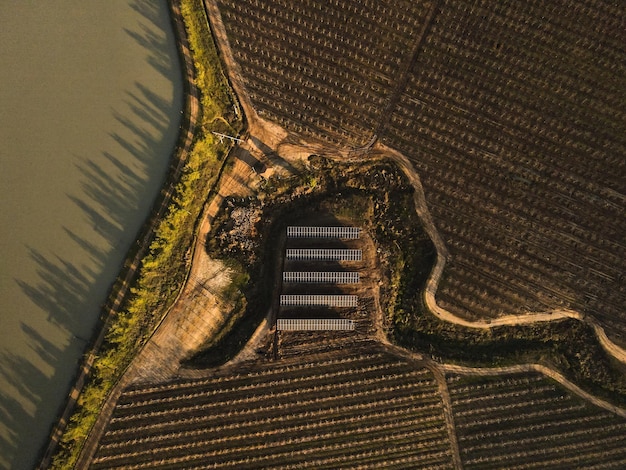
(367, 268)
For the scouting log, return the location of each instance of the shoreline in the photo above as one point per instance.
(121, 285)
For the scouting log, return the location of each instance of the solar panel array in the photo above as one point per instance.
(314, 324)
(320, 277)
(330, 277)
(319, 300)
(324, 254)
(324, 232)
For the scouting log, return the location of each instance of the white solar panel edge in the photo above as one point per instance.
(323, 232)
(314, 324)
(335, 277)
(305, 300)
(324, 254)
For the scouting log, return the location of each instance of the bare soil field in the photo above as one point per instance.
(526, 420)
(511, 114)
(335, 406)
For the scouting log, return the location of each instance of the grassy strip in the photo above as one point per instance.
(218, 104)
(164, 268)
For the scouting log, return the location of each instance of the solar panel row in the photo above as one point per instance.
(330, 277)
(319, 300)
(323, 232)
(324, 254)
(314, 324)
(334, 277)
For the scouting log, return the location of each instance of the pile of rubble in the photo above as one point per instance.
(243, 231)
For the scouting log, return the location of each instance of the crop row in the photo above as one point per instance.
(258, 377)
(528, 60)
(529, 170)
(233, 392)
(313, 66)
(243, 439)
(359, 411)
(203, 424)
(527, 421)
(380, 452)
(521, 157)
(520, 149)
(279, 401)
(465, 104)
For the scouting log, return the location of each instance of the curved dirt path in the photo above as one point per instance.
(442, 385)
(442, 254)
(485, 372)
(278, 138)
(609, 346)
(269, 135)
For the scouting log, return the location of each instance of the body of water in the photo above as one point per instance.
(90, 107)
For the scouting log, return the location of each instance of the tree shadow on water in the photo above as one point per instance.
(62, 287)
(118, 187)
(20, 409)
(156, 36)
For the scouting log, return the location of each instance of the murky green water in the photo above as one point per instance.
(90, 100)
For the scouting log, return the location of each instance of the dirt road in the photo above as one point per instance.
(442, 254)
(485, 372)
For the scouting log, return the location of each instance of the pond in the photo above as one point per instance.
(90, 99)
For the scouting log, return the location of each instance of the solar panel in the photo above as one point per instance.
(314, 324)
(324, 254)
(319, 300)
(323, 232)
(334, 277)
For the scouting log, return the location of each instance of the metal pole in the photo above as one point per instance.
(221, 136)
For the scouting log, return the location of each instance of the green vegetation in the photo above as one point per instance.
(164, 268)
(218, 105)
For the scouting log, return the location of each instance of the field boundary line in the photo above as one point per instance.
(435, 368)
(279, 139)
(448, 413)
(403, 79)
(544, 370)
(434, 278)
(232, 69)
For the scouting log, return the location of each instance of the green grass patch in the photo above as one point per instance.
(220, 109)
